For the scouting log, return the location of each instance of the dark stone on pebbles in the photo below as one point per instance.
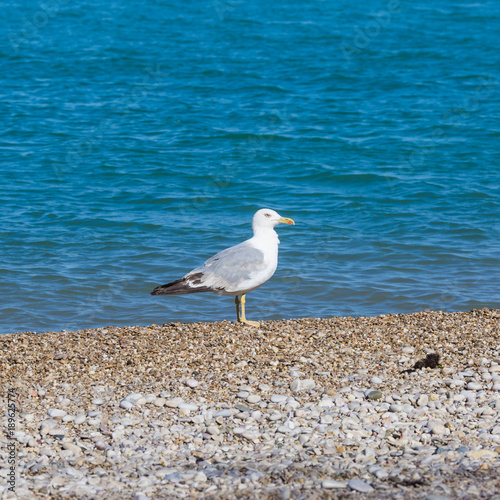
(374, 395)
(430, 361)
(442, 449)
(243, 408)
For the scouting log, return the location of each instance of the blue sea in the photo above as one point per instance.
(138, 139)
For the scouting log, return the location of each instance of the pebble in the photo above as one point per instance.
(187, 406)
(151, 398)
(250, 435)
(48, 424)
(278, 398)
(358, 485)
(192, 383)
(200, 477)
(326, 403)
(473, 386)
(330, 484)
(135, 397)
(301, 385)
(174, 402)
(75, 449)
(126, 405)
(243, 408)
(79, 419)
(396, 408)
(223, 413)
(423, 400)
(56, 413)
(437, 428)
(374, 395)
(100, 444)
(481, 454)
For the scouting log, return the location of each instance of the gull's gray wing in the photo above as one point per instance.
(224, 272)
(227, 270)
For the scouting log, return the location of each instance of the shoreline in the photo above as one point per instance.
(306, 408)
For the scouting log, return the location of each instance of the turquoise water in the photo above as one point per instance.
(139, 138)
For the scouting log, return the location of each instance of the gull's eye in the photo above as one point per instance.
(267, 215)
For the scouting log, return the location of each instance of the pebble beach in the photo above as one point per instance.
(345, 407)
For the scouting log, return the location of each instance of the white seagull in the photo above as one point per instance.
(236, 270)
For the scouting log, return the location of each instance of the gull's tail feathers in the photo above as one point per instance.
(187, 284)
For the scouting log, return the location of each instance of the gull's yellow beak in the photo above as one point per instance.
(285, 220)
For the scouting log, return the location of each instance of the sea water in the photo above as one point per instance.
(138, 139)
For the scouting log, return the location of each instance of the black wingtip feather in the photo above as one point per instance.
(171, 288)
(178, 287)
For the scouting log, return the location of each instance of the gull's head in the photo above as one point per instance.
(267, 218)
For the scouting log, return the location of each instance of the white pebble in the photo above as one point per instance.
(79, 419)
(191, 382)
(174, 402)
(474, 386)
(134, 398)
(187, 407)
(56, 413)
(200, 477)
(278, 398)
(74, 448)
(330, 484)
(437, 428)
(300, 385)
(423, 400)
(326, 403)
(100, 445)
(361, 486)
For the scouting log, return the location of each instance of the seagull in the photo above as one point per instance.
(236, 270)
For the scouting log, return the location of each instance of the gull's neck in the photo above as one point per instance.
(265, 235)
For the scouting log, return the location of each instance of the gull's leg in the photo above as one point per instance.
(237, 302)
(242, 318)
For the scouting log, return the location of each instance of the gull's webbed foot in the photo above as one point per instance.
(250, 323)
